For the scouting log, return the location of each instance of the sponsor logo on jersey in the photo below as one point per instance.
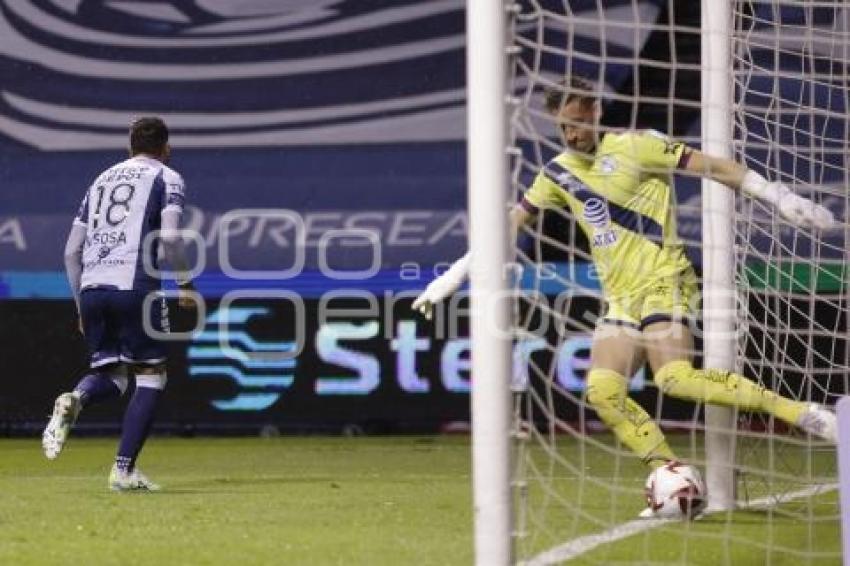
(596, 214)
(122, 173)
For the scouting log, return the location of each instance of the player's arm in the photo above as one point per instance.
(73, 255)
(174, 250)
(543, 193)
(794, 208)
(173, 247)
(450, 281)
(74, 259)
(724, 171)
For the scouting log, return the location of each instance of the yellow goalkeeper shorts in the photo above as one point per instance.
(665, 298)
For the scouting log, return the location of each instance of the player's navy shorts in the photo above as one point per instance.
(113, 324)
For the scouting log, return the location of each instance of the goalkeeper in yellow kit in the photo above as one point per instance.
(617, 187)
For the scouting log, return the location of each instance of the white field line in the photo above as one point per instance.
(578, 546)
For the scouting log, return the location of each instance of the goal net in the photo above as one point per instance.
(577, 490)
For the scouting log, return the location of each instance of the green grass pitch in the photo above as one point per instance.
(802, 531)
(365, 500)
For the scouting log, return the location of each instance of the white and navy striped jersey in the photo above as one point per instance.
(119, 211)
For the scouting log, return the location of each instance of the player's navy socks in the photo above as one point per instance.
(138, 419)
(124, 463)
(96, 387)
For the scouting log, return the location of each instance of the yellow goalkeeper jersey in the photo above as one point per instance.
(622, 199)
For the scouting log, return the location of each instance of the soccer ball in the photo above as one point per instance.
(675, 491)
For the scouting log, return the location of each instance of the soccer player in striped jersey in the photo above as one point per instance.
(617, 187)
(111, 258)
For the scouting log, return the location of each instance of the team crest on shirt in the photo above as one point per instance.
(596, 214)
(607, 164)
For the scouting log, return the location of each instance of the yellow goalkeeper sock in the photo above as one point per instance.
(606, 393)
(680, 379)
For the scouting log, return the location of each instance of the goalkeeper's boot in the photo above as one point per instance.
(821, 422)
(65, 411)
(120, 480)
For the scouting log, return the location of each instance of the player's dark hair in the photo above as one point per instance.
(148, 134)
(566, 90)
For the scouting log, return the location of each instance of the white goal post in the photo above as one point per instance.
(718, 235)
(487, 139)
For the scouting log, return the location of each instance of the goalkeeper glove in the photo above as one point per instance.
(794, 208)
(442, 287)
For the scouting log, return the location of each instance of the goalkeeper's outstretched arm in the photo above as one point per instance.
(454, 277)
(798, 210)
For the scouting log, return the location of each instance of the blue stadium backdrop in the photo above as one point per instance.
(349, 112)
